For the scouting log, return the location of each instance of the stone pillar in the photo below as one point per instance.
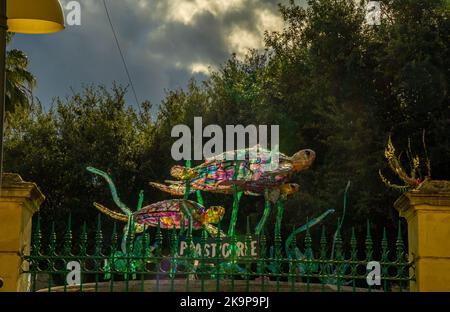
(427, 211)
(19, 200)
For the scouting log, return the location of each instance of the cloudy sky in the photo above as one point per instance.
(165, 42)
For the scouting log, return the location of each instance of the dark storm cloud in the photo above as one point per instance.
(164, 43)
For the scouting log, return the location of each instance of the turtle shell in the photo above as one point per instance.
(169, 213)
(242, 165)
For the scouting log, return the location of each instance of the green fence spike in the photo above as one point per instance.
(37, 238)
(399, 243)
(353, 243)
(338, 241)
(292, 260)
(35, 252)
(145, 244)
(308, 255)
(130, 237)
(158, 239)
(98, 236)
(323, 257)
(339, 256)
(369, 247)
(384, 242)
(189, 253)
(52, 241)
(67, 245)
(323, 243)
(143, 259)
(369, 243)
(308, 240)
(384, 259)
(353, 246)
(114, 238)
(294, 238)
(353, 258)
(51, 256)
(83, 240)
(263, 243)
(400, 256)
(67, 249)
(112, 260)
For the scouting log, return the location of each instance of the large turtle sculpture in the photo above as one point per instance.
(168, 213)
(254, 171)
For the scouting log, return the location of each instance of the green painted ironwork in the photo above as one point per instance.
(149, 266)
(154, 260)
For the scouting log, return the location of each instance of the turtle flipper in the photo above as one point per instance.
(182, 173)
(174, 189)
(213, 231)
(115, 215)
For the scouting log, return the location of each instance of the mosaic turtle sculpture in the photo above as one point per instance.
(253, 173)
(168, 213)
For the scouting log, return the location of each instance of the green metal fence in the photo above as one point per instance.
(173, 261)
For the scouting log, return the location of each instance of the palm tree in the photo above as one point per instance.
(19, 81)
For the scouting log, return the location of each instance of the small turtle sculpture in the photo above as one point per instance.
(254, 172)
(168, 213)
(171, 214)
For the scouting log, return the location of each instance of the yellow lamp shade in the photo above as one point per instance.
(34, 16)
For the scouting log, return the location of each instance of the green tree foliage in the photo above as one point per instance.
(19, 81)
(333, 83)
(93, 128)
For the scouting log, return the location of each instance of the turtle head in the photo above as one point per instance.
(289, 189)
(303, 159)
(182, 173)
(139, 228)
(214, 214)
